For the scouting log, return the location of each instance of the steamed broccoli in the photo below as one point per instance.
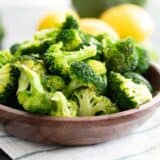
(70, 23)
(90, 104)
(98, 67)
(105, 39)
(30, 47)
(31, 94)
(137, 78)
(125, 93)
(64, 72)
(35, 99)
(32, 62)
(53, 83)
(121, 56)
(82, 75)
(59, 62)
(70, 38)
(89, 40)
(39, 45)
(63, 107)
(8, 82)
(143, 59)
(69, 34)
(46, 34)
(13, 49)
(5, 57)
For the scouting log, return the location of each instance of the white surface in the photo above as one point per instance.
(36, 3)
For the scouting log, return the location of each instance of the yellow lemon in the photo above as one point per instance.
(129, 20)
(54, 19)
(96, 26)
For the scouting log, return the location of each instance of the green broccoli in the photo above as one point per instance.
(103, 42)
(31, 94)
(63, 107)
(13, 49)
(5, 57)
(137, 78)
(35, 99)
(8, 83)
(69, 34)
(105, 38)
(143, 59)
(70, 23)
(125, 93)
(70, 38)
(53, 83)
(39, 45)
(46, 34)
(32, 62)
(30, 47)
(89, 40)
(82, 75)
(90, 104)
(56, 48)
(98, 67)
(59, 62)
(121, 56)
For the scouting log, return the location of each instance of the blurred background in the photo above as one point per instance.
(20, 17)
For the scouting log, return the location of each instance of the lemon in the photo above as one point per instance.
(129, 20)
(96, 26)
(54, 19)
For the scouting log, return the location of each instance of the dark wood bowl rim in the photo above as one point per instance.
(23, 114)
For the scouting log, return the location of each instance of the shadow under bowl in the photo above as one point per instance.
(80, 130)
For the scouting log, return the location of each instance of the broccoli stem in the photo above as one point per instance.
(33, 79)
(81, 55)
(23, 83)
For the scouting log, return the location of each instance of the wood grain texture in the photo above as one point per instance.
(80, 130)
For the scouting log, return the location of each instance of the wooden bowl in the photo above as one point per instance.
(80, 130)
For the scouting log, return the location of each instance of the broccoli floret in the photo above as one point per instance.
(56, 47)
(70, 38)
(53, 83)
(69, 34)
(59, 62)
(121, 56)
(143, 59)
(13, 49)
(30, 47)
(46, 34)
(5, 57)
(90, 104)
(8, 83)
(32, 62)
(63, 107)
(89, 40)
(82, 75)
(40, 44)
(137, 78)
(31, 94)
(98, 67)
(125, 93)
(105, 39)
(70, 23)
